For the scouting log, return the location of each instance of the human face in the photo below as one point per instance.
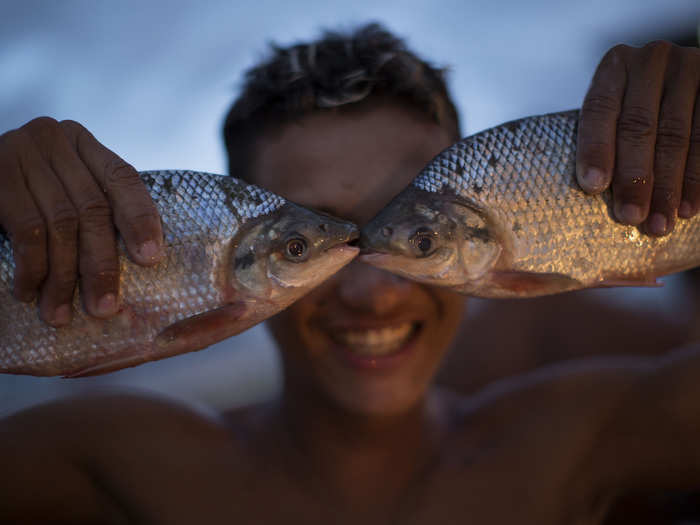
(367, 340)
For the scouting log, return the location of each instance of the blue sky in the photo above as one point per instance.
(153, 79)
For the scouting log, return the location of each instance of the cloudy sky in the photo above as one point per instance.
(152, 80)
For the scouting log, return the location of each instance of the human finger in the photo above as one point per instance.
(597, 127)
(636, 133)
(97, 256)
(21, 219)
(61, 221)
(690, 201)
(135, 215)
(672, 140)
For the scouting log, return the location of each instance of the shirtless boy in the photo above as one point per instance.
(343, 124)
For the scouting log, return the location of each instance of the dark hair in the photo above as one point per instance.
(338, 69)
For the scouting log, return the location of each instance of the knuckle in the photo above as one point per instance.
(673, 133)
(72, 129)
(64, 223)
(42, 122)
(600, 105)
(71, 125)
(94, 207)
(43, 128)
(637, 124)
(617, 51)
(119, 173)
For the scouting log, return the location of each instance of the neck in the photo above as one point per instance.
(361, 460)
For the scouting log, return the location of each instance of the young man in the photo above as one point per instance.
(343, 124)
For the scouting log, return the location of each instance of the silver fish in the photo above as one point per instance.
(500, 214)
(235, 255)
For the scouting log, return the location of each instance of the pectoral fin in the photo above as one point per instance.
(200, 331)
(631, 281)
(188, 335)
(530, 284)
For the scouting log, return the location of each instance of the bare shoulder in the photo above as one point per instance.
(123, 434)
(547, 422)
(147, 458)
(587, 382)
(107, 415)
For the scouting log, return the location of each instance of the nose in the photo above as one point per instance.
(364, 287)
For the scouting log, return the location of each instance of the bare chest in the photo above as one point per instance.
(258, 491)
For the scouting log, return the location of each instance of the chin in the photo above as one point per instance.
(378, 403)
(391, 386)
(362, 365)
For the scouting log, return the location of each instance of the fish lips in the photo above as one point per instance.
(411, 211)
(333, 231)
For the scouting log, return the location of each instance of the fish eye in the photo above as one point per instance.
(424, 242)
(296, 249)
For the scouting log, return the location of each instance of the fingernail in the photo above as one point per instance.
(658, 224)
(149, 251)
(107, 305)
(629, 214)
(62, 315)
(593, 180)
(685, 210)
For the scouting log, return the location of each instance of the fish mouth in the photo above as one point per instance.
(345, 250)
(378, 259)
(345, 240)
(345, 245)
(339, 231)
(353, 237)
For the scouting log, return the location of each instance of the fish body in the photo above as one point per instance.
(235, 254)
(500, 214)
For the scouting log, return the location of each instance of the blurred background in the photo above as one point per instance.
(152, 81)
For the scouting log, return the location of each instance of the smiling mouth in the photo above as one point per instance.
(376, 342)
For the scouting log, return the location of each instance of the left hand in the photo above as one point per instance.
(640, 128)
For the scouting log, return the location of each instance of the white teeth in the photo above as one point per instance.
(376, 342)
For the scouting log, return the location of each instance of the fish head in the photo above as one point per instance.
(432, 238)
(290, 252)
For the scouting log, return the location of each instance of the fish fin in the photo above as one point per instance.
(200, 331)
(188, 335)
(110, 366)
(531, 284)
(622, 281)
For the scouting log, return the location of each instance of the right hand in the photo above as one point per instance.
(639, 132)
(62, 194)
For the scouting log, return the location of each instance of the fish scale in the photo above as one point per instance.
(187, 226)
(523, 191)
(204, 217)
(520, 177)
